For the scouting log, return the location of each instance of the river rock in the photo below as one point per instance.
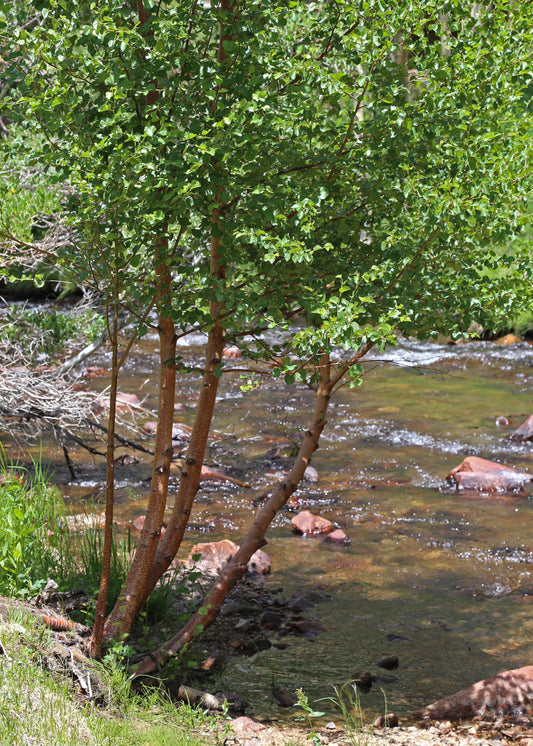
(308, 524)
(507, 694)
(231, 352)
(259, 563)
(481, 475)
(389, 662)
(245, 726)
(215, 555)
(389, 720)
(95, 372)
(508, 339)
(138, 524)
(338, 537)
(84, 521)
(310, 475)
(179, 430)
(524, 432)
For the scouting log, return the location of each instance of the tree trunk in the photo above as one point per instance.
(124, 613)
(190, 477)
(99, 615)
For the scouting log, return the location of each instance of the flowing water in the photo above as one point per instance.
(441, 580)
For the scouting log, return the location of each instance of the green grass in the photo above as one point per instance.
(29, 513)
(38, 707)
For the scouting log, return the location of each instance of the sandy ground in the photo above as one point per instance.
(245, 732)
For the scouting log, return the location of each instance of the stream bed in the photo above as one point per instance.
(442, 580)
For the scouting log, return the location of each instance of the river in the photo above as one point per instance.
(442, 580)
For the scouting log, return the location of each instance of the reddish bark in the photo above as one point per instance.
(126, 608)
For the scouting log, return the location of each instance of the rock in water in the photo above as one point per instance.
(480, 475)
(507, 694)
(308, 524)
(524, 432)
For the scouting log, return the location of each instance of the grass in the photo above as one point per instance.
(29, 513)
(348, 702)
(38, 707)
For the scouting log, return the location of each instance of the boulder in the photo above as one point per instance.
(507, 694)
(308, 524)
(524, 432)
(481, 475)
(215, 555)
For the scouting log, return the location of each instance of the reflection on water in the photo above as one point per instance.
(440, 580)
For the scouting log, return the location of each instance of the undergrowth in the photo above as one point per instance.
(37, 706)
(29, 515)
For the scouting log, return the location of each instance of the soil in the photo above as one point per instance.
(333, 734)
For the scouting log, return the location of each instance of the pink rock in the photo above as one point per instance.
(308, 524)
(508, 693)
(125, 402)
(94, 372)
(215, 555)
(481, 475)
(179, 430)
(524, 432)
(338, 537)
(210, 474)
(138, 524)
(259, 563)
(245, 726)
(232, 352)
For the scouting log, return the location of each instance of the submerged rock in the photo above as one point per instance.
(481, 475)
(507, 694)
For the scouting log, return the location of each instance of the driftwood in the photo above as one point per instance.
(199, 698)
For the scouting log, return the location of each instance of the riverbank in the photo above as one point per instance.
(438, 734)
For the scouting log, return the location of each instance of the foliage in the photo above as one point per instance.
(348, 702)
(26, 189)
(363, 191)
(48, 331)
(309, 714)
(29, 511)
